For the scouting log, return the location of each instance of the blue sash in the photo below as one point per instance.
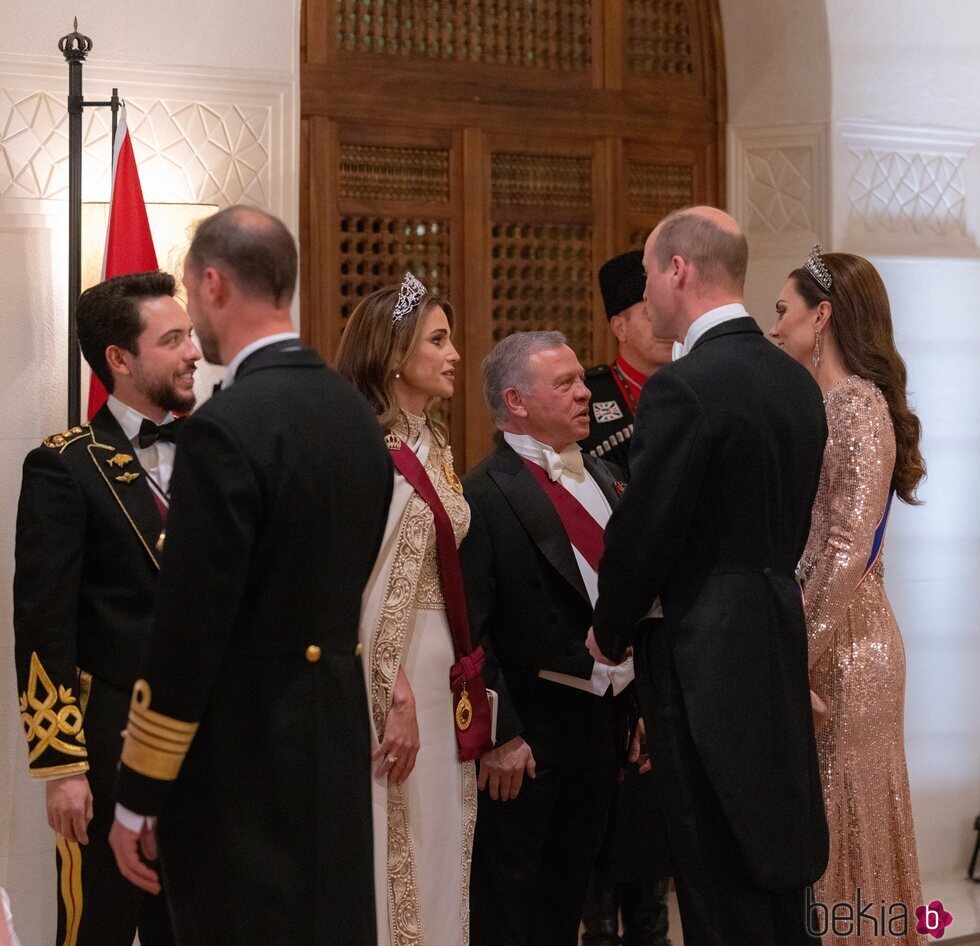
(879, 539)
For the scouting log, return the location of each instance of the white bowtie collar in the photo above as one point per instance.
(569, 462)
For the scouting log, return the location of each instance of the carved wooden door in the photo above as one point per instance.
(501, 150)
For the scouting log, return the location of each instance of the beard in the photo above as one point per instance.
(167, 397)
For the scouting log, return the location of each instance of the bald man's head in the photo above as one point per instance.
(251, 247)
(710, 240)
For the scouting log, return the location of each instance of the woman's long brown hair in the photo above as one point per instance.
(861, 321)
(374, 349)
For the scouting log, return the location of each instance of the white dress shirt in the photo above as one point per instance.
(706, 322)
(567, 469)
(157, 460)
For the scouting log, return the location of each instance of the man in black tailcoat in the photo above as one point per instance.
(726, 457)
(248, 729)
(91, 516)
(531, 584)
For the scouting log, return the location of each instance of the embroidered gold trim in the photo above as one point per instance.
(48, 713)
(57, 771)
(60, 441)
(404, 902)
(155, 744)
(71, 887)
(469, 827)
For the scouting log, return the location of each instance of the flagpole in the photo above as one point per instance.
(75, 47)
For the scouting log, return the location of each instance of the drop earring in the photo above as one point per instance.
(815, 358)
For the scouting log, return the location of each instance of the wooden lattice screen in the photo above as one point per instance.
(500, 150)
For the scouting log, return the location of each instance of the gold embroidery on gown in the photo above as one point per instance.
(413, 585)
(857, 666)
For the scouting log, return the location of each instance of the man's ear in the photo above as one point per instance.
(116, 359)
(215, 285)
(617, 325)
(515, 402)
(680, 271)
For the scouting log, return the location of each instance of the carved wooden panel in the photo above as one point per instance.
(533, 180)
(377, 251)
(377, 172)
(542, 277)
(657, 189)
(659, 43)
(545, 34)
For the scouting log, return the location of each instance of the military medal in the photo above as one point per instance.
(119, 459)
(127, 477)
(393, 441)
(606, 411)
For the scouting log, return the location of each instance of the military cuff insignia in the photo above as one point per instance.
(155, 744)
(52, 718)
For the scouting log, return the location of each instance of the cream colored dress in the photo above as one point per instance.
(857, 666)
(423, 830)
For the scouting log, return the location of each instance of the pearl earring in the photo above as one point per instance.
(398, 374)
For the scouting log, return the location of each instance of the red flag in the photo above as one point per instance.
(128, 243)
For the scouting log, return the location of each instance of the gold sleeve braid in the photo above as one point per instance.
(857, 469)
(52, 717)
(155, 744)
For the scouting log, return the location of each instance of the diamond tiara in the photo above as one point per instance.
(410, 294)
(815, 267)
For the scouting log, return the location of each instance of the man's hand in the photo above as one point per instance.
(593, 648)
(126, 845)
(504, 768)
(638, 747)
(69, 804)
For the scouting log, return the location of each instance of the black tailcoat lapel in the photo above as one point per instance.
(126, 481)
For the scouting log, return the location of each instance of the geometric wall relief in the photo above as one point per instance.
(779, 189)
(895, 190)
(187, 152)
(907, 188)
(779, 186)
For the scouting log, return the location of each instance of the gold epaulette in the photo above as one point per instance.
(155, 744)
(60, 441)
(52, 717)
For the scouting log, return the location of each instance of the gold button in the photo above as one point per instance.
(312, 653)
(358, 649)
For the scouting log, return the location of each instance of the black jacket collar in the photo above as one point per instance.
(740, 326)
(286, 353)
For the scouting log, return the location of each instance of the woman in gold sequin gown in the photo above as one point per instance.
(397, 349)
(834, 317)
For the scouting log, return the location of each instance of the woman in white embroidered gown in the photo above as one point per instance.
(397, 349)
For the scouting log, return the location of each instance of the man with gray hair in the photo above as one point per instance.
(539, 507)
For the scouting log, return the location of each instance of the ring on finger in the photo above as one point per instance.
(391, 758)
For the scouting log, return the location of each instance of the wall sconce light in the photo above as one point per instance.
(171, 225)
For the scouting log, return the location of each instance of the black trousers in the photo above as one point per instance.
(97, 906)
(533, 855)
(719, 904)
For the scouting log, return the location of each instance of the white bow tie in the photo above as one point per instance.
(568, 461)
(679, 350)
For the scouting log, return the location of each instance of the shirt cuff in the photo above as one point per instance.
(132, 821)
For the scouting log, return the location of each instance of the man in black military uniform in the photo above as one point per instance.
(616, 388)
(248, 731)
(629, 876)
(92, 509)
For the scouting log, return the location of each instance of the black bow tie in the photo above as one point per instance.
(150, 433)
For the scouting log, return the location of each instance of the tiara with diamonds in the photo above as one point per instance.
(410, 293)
(815, 267)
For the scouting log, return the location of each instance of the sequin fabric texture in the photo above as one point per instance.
(857, 666)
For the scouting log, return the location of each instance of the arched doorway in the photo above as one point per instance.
(501, 151)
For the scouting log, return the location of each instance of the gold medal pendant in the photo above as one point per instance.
(451, 478)
(464, 711)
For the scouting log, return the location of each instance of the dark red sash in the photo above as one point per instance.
(582, 530)
(470, 705)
